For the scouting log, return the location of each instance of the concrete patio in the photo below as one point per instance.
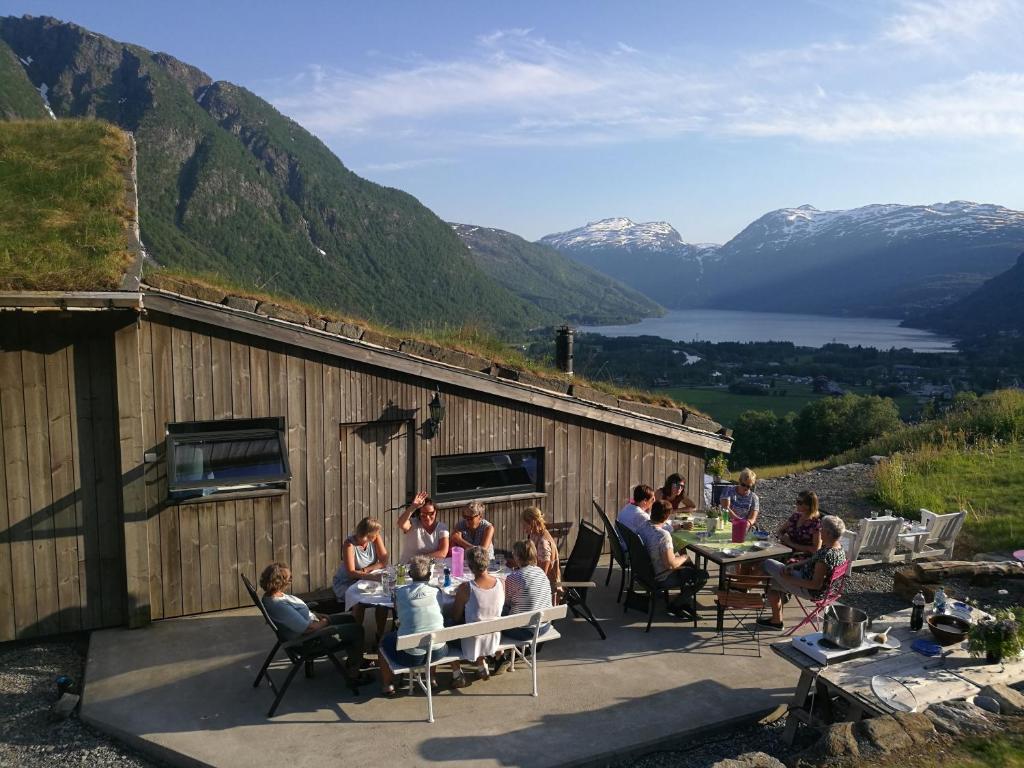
(182, 690)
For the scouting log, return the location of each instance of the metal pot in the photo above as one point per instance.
(844, 626)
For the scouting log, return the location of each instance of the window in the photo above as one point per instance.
(206, 458)
(481, 475)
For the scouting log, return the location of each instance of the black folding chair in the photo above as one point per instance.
(301, 652)
(641, 570)
(616, 552)
(579, 570)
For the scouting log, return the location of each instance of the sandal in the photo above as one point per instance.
(388, 691)
(459, 680)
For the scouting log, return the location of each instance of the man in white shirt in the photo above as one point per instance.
(634, 516)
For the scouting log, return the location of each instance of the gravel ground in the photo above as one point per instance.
(28, 737)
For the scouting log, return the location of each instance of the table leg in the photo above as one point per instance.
(720, 622)
(803, 689)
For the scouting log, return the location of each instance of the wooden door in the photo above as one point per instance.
(377, 475)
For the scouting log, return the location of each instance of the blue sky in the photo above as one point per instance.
(540, 116)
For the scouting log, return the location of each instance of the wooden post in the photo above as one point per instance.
(131, 444)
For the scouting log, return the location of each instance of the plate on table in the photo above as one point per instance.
(894, 694)
(892, 643)
(368, 587)
(731, 552)
(762, 545)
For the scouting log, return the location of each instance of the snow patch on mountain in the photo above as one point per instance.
(624, 233)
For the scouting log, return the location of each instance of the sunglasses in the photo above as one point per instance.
(748, 487)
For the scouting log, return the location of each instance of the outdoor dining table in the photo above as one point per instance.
(370, 593)
(931, 679)
(712, 548)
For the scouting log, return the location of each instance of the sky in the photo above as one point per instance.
(537, 117)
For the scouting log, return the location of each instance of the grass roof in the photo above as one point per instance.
(63, 213)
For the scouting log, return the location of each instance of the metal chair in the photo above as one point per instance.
(578, 572)
(641, 571)
(617, 551)
(301, 652)
(832, 593)
(560, 533)
(744, 594)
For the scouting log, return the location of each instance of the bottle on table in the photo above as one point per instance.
(400, 576)
(940, 601)
(917, 612)
(447, 576)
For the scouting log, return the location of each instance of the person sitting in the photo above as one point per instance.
(479, 600)
(674, 493)
(808, 579)
(424, 533)
(527, 589)
(672, 571)
(801, 531)
(417, 609)
(294, 619)
(634, 515)
(473, 531)
(363, 556)
(740, 499)
(544, 543)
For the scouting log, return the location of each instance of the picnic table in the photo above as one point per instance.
(720, 549)
(931, 679)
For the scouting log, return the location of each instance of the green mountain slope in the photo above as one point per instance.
(18, 99)
(229, 185)
(553, 282)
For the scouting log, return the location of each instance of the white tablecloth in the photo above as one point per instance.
(373, 594)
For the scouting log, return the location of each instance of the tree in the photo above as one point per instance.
(762, 437)
(834, 424)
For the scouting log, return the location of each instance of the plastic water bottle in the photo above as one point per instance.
(917, 612)
(447, 576)
(940, 601)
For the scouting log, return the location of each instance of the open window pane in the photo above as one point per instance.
(234, 454)
(483, 475)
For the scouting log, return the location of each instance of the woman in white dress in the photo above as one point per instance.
(478, 600)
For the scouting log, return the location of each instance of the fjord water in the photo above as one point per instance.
(802, 330)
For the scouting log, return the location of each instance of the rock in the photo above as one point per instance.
(673, 415)
(987, 703)
(876, 459)
(64, 706)
(553, 385)
(583, 392)
(883, 733)
(352, 331)
(959, 718)
(750, 760)
(381, 339)
(838, 741)
(238, 302)
(696, 421)
(917, 725)
(281, 313)
(1010, 701)
(992, 557)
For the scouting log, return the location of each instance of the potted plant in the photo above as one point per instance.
(718, 467)
(1000, 638)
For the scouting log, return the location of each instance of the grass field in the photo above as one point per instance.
(725, 407)
(986, 481)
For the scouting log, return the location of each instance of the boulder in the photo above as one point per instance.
(1010, 701)
(838, 741)
(750, 760)
(278, 312)
(883, 733)
(381, 339)
(959, 718)
(987, 703)
(876, 459)
(583, 392)
(673, 415)
(917, 726)
(239, 302)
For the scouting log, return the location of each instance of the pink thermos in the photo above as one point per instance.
(739, 530)
(458, 553)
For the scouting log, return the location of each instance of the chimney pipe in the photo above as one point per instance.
(563, 349)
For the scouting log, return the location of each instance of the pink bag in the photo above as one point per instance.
(739, 530)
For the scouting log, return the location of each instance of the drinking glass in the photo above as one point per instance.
(874, 514)
(500, 560)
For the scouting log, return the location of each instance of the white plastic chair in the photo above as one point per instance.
(942, 532)
(875, 538)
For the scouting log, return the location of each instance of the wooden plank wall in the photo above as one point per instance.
(198, 372)
(61, 552)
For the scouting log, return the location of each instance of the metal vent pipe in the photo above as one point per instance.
(563, 349)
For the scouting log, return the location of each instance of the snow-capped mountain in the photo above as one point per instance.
(631, 252)
(883, 260)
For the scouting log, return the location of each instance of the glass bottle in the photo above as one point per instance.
(917, 612)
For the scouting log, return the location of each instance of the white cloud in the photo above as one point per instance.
(920, 22)
(405, 165)
(515, 88)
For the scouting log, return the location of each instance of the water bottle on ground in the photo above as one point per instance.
(940, 601)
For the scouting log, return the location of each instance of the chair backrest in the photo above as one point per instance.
(877, 536)
(944, 528)
(259, 603)
(585, 553)
(560, 533)
(836, 584)
(640, 560)
(474, 628)
(614, 541)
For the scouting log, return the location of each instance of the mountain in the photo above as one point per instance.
(18, 98)
(229, 185)
(553, 282)
(879, 260)
(996, 308)
(650, 257)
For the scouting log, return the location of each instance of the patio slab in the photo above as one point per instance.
(181, 690)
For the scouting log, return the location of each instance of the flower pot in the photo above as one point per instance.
(993, 657)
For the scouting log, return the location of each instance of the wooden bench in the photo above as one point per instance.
(426, 640)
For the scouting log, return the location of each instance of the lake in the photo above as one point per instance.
(802, 330)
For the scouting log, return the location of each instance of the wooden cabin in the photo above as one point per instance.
(282, 432)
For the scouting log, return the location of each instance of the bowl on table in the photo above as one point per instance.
(761, 535)
(762, 544)
(948, 630)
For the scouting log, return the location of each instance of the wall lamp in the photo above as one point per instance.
(436, 409)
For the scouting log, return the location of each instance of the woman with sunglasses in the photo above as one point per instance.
(802, 530)
(423, 533)
(741, 501)
(473, 531)
(674, 494)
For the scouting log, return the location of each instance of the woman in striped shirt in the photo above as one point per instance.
(527, 588)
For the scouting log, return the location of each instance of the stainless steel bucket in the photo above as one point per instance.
(844, 625)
